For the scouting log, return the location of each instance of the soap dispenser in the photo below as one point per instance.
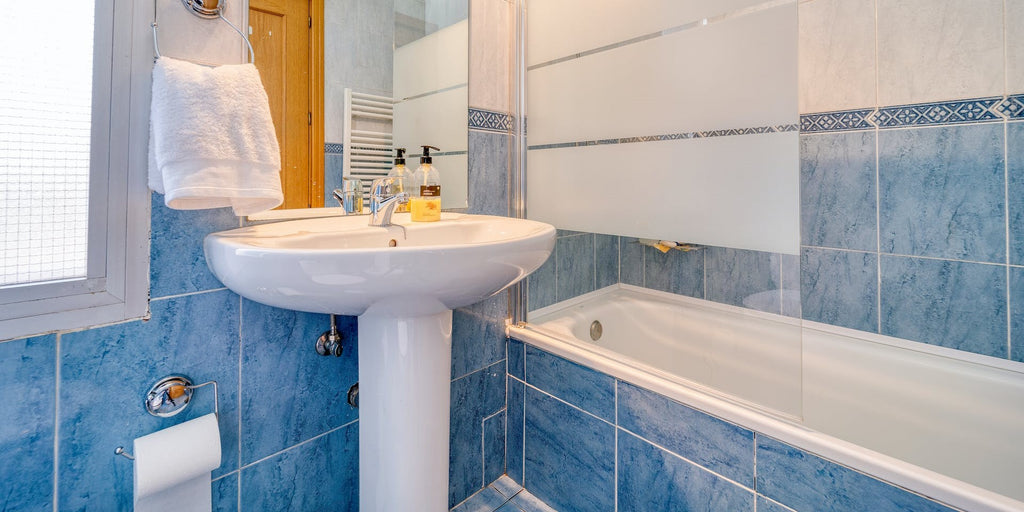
(404, 182)
(425, 204)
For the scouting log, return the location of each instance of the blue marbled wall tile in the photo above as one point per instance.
(322, 474)
(287, 383)
(767, 505)
(541, 284)
(494, 447)
(587, 389)
(177, 263)
(807, 482)
(474, 397)
(225, 493)
(942, 192)
(334, 171)
(1015, 168)
(840, 288)
(1017, 314)
(516, 359)
(631, 261)
(675, 271)
(715, 444)
(791, 285)
(837, 190)
(488, 173)
(739, 277)
(653, 480)
(478, 335)
(606, 256)
(195, 335)
(947, 303)
(514, 433)
(506, 486)
(574, 258)
(560, 233)
(570, 456)
(28, 371)
(487, 500)
(527, 502)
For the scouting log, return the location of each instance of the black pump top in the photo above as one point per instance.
(400, 156)
(426, 159)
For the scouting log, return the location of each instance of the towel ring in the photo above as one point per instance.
(206, 9)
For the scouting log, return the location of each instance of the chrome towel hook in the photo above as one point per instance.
(206, 9)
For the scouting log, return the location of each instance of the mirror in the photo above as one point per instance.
(386, 75)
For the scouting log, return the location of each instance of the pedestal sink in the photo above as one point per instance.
(403, 282)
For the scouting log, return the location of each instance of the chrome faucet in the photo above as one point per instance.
(384, 200)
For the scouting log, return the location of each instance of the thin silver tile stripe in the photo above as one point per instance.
(675, 136)
(671, 30)
(976, 110)
(488, 120)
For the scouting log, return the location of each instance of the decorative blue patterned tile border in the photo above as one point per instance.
(490, 121)
(674, 136)
(1012, 107)
(334, 147)
(977, 110)
(949, 112)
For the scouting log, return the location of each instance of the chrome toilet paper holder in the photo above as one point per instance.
(170, 396)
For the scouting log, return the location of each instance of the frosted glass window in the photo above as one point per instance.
(46, 77)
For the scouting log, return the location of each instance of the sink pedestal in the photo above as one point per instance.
(404, 400)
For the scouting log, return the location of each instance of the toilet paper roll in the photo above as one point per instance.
(173, 465)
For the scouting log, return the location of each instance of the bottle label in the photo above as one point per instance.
(430, 190)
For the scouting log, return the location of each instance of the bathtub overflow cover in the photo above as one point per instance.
(596, 330)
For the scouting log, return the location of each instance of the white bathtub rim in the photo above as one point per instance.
(927, 483)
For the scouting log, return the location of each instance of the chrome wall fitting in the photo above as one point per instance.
(207, 9)
(353, 395)
(172, 394)
(329, 343)
(120, 451)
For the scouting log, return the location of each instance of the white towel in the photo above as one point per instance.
(212, 141)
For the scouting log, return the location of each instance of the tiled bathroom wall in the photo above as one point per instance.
(911, 164)
(584, 262)
(911, 148)
(289, 439)
(584, 441)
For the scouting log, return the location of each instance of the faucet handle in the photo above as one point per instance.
(382, 187)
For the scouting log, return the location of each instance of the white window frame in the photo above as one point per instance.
(116, 287)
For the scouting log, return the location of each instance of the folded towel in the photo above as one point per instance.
(212, 141)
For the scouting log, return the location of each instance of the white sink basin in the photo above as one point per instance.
(402, 282)
(340, 265)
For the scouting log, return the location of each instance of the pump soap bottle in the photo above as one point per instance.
(403, 177)
(426, 202)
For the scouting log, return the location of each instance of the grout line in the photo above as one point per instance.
(755, 468)
(616, 445)
(666, 450)
(896, 255)
(241, 347)
(56, 424)
(593, 237)
(1006, 214)
(189, 294)
(483, 454)
(478, 370)
(292, 447)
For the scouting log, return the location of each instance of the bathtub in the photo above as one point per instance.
(942, 423)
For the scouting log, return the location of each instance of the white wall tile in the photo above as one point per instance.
(931, 50)
(739, 191)
(490, 57)
(1015, 46)
(735, 74)
(837, 55)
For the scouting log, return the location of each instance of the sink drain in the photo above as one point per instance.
(596, 330)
